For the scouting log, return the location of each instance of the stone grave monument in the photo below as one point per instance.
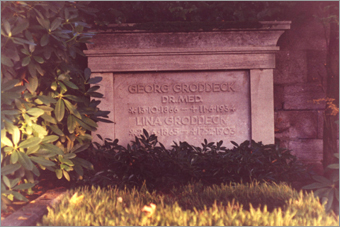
(188, 86)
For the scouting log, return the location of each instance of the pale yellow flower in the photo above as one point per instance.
(149, 209)
(75, 199)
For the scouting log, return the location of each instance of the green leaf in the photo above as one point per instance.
(59, 110)
(10, 112)
(54, 86)
(34, 141)
(85, 126)
(313, 186)
(25, 161)
(94, 80)
(35, 112)
(29, 176)
(33, 84)
(50, 139)
(46, 108)
(36, 171)
(32, 150)
(21, 41)
(9, 84)
(44, 40)
(38, 59)
(18, 196)
(87, 73)
(72, 108)
(79, 170)
(24, 51)
(79, 147)
(46, 99)
(32, 69)
(6, 142)
(6, 61)
(89, 121)
(7, 26)
(24, 186)
(14, 157)
(23, 25)
(71, 124)
(39, 129)
(14, 182)
(70, 156)
(74, 98)
(66, 175)
(322, 180)
(9, 126)
(93, 88)
(95, 94)
(59, 173)
(25, 61)
(49, 118)
(6, 181)
(70, 84)
(16, 135)
(55, 24)
(42, 161)
(63, 88)
(9, 169)
(56, 130)
(84, 163)
(52, 148)
(45, 23)
(17, 89)
(65, 161)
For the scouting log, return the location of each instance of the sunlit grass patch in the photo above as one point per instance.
(191, 205)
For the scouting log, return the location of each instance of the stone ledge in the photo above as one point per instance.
(30, 214)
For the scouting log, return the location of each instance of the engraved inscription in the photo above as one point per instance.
(184, 106)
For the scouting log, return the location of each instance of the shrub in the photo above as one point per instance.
(45, 95)
(327, 189)
(110, 207)
(147, 160)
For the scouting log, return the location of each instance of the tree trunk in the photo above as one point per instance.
(330, 131)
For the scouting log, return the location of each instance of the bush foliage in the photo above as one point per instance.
(147, 160)
(186, 207)
(45, 94)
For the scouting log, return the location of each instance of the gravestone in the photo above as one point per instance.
(188, 86)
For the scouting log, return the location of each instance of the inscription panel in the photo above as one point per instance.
(186, 106)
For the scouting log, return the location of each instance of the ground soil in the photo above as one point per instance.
(47, 181)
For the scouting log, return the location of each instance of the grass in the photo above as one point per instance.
(191, 205)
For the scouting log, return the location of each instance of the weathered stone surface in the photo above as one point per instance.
(149, 62)
(308, 34)
(321, 124)
(189, 106)
(309, 150)
(165, 61)
(146, 40)
(278, 97)
(262, 105)
(316, 61)
(291, 67)
(296, 125)
(301, 96)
